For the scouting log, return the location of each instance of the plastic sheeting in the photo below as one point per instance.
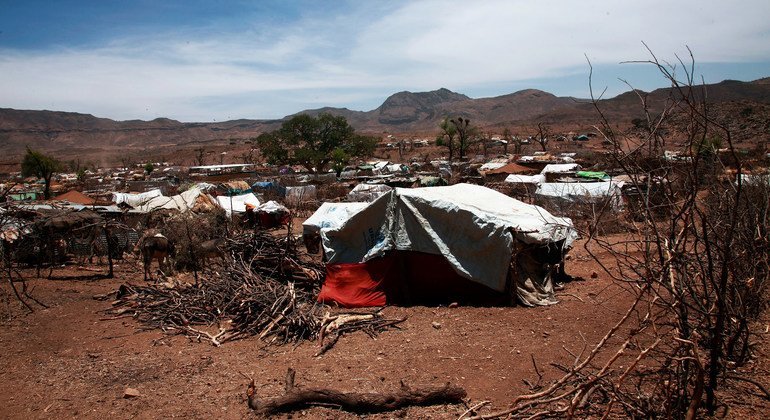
(366, 193)
(525, 179)
(472, 226)
(558, 168)
(331, 216)
(182, 202)
(135, 200)
(237, 203)
(587, 192)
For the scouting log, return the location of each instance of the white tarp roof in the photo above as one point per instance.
(593, 192)
(474, 227)
(558, 168)
(237, 203)
(495, 164)
(367, 192)
(135, 200)
(331, 216)
(525, 179)
(182, 202)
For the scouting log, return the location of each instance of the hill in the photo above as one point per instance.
(73, 135)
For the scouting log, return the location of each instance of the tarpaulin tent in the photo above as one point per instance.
(583, 192)
(475, 230)
(181, 202)
(270, 186)
(560, 168)
(367, 192)
(135, 200)
(237, 203)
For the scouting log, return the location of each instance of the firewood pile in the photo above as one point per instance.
(264, 290)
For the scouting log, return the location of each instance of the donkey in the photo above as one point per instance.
(213, 248)
(156, 247)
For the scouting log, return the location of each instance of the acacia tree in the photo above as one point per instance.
(447, 136)
(314, 142)
(37, 164)
(465, 134)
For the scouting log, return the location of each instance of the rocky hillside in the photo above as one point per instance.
(73, 134)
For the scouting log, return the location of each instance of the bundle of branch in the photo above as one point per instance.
(267, 291)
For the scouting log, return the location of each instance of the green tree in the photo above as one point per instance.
(42, 166)
(465, 134)
(148, 168)
(315, 142)
(447, 136)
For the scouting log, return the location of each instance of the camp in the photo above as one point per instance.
(411, 246)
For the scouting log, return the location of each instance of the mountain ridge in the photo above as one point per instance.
(401, 112)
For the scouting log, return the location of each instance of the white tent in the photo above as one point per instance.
(525, 179)
(475, 228)
(367, 192)
(135, 200)
(558, 168)
(182, 202)
(237, 203)
(587, 192)
(331, 216)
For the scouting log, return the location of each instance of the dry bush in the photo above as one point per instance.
(696, 264)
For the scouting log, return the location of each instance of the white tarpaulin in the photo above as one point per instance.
(525, 179)
(331, 216)
(182, 202)
(367, 192)
(587, 192)
(135, 200)
(473, 227)
(558, 168)
(237, 203)
(495, 164)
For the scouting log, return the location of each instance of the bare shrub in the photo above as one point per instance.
(695, 262)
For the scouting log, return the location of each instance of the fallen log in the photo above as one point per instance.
(299, 398)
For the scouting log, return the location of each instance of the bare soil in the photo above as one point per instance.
(70, 360)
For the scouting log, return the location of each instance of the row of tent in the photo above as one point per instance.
(197, 198)
(591, 186)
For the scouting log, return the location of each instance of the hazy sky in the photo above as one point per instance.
(207, 60)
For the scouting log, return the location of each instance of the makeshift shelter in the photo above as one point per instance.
(237, 203)
(76, 197)
(268, 215)
(561, 193)
(269, 186)
(367, 192)
(135, 200)
(502, 172)
(430, 243)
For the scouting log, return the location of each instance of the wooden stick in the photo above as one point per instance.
(355, 402)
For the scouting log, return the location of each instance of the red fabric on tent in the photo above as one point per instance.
(357, 285)
(403, 277)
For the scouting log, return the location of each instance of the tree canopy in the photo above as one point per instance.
(37, 164)
(456, 135)
(315, 143)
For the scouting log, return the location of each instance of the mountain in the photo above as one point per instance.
(73, 134)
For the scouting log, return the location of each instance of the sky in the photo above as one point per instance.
(209, 60)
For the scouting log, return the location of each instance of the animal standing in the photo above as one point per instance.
(154, 247)
(213, 248)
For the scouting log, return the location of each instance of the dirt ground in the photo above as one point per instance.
(68, 360)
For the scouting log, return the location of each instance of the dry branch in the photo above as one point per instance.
(298, 398)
